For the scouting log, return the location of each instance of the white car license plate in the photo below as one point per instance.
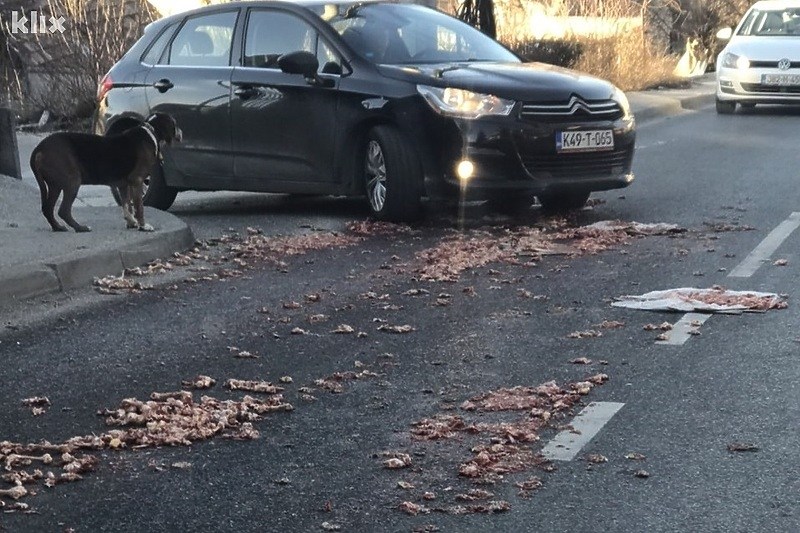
(780, 79)
(584, 141)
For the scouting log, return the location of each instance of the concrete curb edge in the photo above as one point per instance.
(36, 279)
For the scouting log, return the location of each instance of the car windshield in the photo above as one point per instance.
(409, 34)
(768, 22)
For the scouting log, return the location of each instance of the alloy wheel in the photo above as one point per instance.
(375, 173)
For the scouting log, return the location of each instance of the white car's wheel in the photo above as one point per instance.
(725, 108)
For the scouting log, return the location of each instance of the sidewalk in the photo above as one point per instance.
(36, 261)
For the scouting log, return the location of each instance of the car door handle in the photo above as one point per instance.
(245, 92)
(163, 85)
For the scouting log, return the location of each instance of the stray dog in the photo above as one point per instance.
(64, 161)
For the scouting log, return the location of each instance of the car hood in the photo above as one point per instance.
(765, 48)
(516, 81)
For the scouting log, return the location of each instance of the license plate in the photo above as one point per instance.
(584, 141)
(780, 79)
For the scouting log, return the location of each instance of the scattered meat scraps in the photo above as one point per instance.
(413, 509)
(396, 460)
(451, 257)
(396, 329)
(474, 494)
(713, 300)
(335, 382)
(529, 485)
(441, 426)
(274, 249)
(167, 419)
(522, 398)
(199, 382)
(664, 326)
(610, 324)
(253, 386)
(38, 404)
(506, 444)
(498, 459)
(368, 228)
(119, 285)
(588, 334)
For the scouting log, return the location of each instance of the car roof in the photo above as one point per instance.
(267, 3)
(298, 3)
(767, 5)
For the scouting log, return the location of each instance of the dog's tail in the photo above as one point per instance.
(36, 158)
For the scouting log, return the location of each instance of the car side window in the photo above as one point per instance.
(204, 41)
(270, 34)
(156, 49)
(329, 60)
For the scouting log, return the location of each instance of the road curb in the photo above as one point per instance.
(76, 270)
(665, 105)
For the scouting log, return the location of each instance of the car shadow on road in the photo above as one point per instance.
(279, 211)
(770, 110)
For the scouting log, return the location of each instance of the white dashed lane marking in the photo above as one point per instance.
(586, 424)
(766, 248)
(682, 329)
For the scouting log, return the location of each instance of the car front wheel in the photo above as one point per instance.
(392, 176)
(725, 108)
(157, 193)
(563, 202)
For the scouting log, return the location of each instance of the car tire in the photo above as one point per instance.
(392, 176)
(554, 203)
(725, 108)
(158, 193)
(511, 204)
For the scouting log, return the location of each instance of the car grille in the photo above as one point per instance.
(771, 89)
(772, 64)
(576, 109)
(578, 165)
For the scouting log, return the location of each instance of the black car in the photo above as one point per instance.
(393, 100)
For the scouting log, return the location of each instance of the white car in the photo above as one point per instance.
(761, 63)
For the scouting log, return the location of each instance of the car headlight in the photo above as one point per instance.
(464, 104)
(731, 60)
(620, 98)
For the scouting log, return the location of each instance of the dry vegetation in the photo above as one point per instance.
(60, 72)
(610, 39)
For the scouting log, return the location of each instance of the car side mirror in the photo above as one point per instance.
(304, 63)
(301, 62)
(725, 34)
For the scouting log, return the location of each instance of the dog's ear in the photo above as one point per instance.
(165, 127)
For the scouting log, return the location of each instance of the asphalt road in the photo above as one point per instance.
(684, 404)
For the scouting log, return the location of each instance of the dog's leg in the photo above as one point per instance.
(48, 205)
(49, 194)
(65, 210)
(138, 203)
(127, 210)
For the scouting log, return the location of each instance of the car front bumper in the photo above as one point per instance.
(513, 154)
(747, 86)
